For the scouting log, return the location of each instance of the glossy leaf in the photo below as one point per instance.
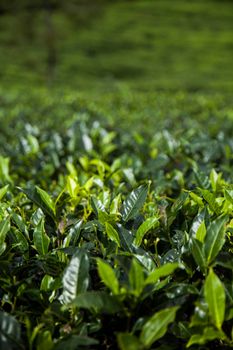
(41, 200)
(9, 331)
(76, 277)
(144, 228)
(197, 249)
(157, 325)
(215, 238)
(134, 202)
(162, 271)
(41, 239)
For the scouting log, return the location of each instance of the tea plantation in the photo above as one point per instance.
(116, 196)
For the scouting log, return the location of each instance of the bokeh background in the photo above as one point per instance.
(97, 45)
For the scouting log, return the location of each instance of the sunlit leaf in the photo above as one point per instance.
(162, 271)
(112, 233)
(108, 276)
(144, 228)
(41, 239)
(215, 298)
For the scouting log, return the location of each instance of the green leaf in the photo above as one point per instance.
(44, 341)
(9, 332)
(157, 325)
(40, 238)
(136, 277)
(144, 228)
(215, 298)
(201, 232)
(112, 233)
(162, 271)
(127, 341)
(73, 234)
(196, 199)
(20, 223)
(98, 301)
(197, 250)
(4, 228)
(47, 200)
(200, 315)
(209, 334)
(3, 191)
(214, 179)
(36, 197)
(134, 202)
(76, 277)
(229, 195)
(19, 240)
(47, 283)
(211, 200)
(108, 276)
(126, 238)
(74, 342)
(4, 170)
(215, 238)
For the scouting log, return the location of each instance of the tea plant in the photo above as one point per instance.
(113, 240)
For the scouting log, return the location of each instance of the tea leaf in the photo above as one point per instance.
(215, 298)
(157, 325)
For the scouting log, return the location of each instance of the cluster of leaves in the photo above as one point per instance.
(113, 240)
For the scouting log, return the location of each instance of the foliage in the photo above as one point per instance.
(109, 239)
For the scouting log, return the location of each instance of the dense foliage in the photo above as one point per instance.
(116, 239)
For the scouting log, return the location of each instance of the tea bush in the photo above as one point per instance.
(114, 237)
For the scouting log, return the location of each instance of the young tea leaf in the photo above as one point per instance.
(162, 271)
(3, 191)
(112, 233)
(40, 238)
(201, 232)
(108, 276)
(4, 228)
(46, 199)
(144, 228)
(215, 298)
(136, 277)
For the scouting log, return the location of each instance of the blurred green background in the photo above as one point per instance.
(101, 46)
